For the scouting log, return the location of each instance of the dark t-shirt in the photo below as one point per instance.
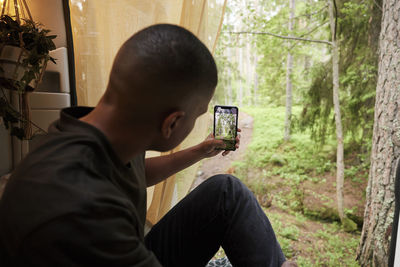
(72, 202)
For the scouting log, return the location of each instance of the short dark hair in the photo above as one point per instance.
(170, 55)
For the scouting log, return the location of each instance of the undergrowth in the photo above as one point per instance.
(275, 170)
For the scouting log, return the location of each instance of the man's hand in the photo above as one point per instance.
(210, 144)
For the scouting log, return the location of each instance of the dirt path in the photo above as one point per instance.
(221, 164)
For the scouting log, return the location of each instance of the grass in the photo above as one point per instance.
(327, 246)
(301, 155)
(287, 173)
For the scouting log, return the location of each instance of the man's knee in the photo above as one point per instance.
(222, 179)
(230, 184)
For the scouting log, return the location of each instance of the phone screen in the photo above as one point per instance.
(225, 125)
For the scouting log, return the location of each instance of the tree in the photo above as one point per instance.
(358, 33)
(335, 81)
(378, 216)
(289, 67)
(229, 85)
(228, 71)
(336, 104)
(255, 91)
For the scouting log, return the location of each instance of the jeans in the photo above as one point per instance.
(221, 211)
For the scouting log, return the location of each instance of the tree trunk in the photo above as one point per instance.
(229, 85)
(255, 64)
(289, 68)
(338, 117)
(255, 91)
(378, 216)
(225, 96)
(307, 65)
(248, 72)
(240, 65)
(239, 55)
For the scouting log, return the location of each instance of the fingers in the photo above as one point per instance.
(214, 143)
(219, 143)
(238, 138)
(226, 152)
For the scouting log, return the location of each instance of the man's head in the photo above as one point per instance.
(162, 79)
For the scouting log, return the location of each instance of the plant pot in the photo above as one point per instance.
(12, 70)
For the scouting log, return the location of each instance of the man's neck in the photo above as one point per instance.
(125, 142)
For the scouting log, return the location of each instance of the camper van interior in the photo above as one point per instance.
(84, 36)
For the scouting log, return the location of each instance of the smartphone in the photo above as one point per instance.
(225, 125)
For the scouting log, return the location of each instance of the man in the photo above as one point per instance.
(79, 199)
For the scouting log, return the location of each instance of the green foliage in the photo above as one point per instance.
(273, 17)
(10, 116)
(331, 248)
(35, 42)
(301, 156)
(285, 233)
(277, 159)
(349, 225)
(28, 35)
(336, 250)
(295, 162)
(305, 160)
(312, 229)
(317, 110)
(358, 32)
(225, 126)
(322, 213)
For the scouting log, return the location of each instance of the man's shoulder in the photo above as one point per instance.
(65, 175)
(56, 178)
(62, 162)
(66, 145)
(59, 154)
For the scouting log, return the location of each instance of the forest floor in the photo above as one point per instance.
(295, 184)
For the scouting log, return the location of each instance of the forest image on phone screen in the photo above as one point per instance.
(225, 126)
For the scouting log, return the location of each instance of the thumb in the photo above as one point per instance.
(218, 143)
(214, 143)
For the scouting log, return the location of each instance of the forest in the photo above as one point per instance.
(319, 80)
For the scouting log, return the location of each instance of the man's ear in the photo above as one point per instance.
(170, 123)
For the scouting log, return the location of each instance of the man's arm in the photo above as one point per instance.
(160, 168)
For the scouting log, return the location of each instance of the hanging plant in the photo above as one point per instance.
(24, 53)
